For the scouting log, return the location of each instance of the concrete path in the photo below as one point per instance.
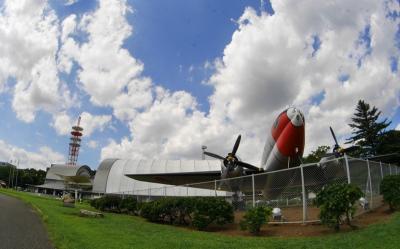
(20, 226)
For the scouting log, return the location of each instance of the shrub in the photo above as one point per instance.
(198, 211)
(390, 189)
(255, 218)
(128, 205)
(336, 200)
(116, 204)
(211, 210)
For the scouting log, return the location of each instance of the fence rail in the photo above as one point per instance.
(292, 190)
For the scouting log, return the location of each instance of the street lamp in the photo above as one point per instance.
(203, 156)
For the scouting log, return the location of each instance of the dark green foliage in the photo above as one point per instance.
(25, 177)
(336, 200)
(197, 211)
(211, 210)
(255, 218)
(128, 205)
(367, 128)
(115, 204)
(316, 155)
(389, 142)
(390, 189)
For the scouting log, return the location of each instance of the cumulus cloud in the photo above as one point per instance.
(29, 34)
(398, 127)
(38, 160)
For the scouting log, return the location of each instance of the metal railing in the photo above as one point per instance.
(293, 190)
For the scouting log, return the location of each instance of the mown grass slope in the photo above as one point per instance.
(68, 230)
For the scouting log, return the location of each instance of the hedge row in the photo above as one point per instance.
(199, 212)
(115, 204)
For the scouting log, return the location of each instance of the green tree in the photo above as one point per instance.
(336, 201)
(390, 189)
(366, 128)
(316, 155)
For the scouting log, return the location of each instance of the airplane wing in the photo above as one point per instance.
(178, 178)
(176, 172)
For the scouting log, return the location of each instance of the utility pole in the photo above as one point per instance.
(16, 175)
(12, 175)
(9, 175)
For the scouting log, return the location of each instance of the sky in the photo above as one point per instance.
(159, 79)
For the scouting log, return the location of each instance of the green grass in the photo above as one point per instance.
(68, 230)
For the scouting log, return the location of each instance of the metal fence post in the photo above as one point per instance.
(380, 164)
(347, 168)
(303, 188)
(254, 193)
(370, 183)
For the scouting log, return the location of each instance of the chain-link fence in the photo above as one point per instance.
(292, 190)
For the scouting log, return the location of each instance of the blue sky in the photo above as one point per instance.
(224, 67)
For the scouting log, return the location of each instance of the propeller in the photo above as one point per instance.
(338, 149)
(231, 161)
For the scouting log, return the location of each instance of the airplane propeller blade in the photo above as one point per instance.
(249, 166)
(236, 146)
(334, 137)
(214, 155)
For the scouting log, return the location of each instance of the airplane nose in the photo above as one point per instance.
(295, 116)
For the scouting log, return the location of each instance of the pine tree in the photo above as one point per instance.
(366, 127)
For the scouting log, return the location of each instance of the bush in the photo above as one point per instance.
(116, 204)
(335, 201)
(197, 211)
(211, 210)
(255, 218)
(390, 189)
(128, 205)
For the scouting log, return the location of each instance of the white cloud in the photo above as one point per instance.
(38, 160)
(29, 34)
(398, 127)
(92, 144)
(70, 2)
(62, 123)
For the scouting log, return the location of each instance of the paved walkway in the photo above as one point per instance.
(20, 226)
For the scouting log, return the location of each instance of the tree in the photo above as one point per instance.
(316, 155)
(366, 128)
(390, 189)
(336, 201)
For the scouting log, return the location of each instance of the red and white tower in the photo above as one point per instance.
(75, 143)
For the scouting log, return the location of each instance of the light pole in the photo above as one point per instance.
(203, 156)
(16, 175)
(9, 175)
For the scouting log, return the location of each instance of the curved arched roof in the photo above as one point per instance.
(110, 176)
(57, 170)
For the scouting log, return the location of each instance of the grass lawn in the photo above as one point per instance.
(68, 230)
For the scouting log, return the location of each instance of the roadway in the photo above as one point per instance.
(20, 226)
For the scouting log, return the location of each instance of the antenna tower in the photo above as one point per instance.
(75, 143)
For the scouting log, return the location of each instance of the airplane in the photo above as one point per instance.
(283, 149)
